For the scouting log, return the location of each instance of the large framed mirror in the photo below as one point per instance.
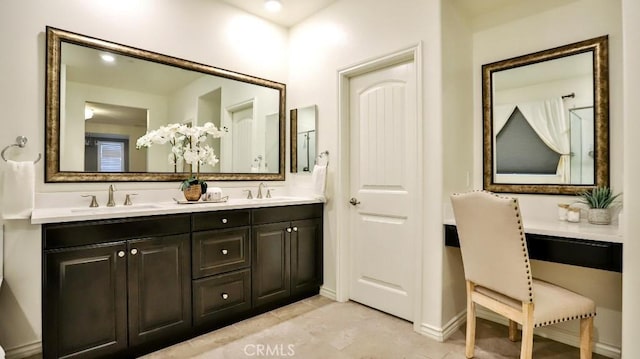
(546, 120)
(303, 137)
(102, 96)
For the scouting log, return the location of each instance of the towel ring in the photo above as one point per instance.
(325, 155)
(21, 141)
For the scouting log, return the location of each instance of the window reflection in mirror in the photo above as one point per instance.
(303, 139)
(110, 133)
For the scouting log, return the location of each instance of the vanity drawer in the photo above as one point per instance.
(220, 251)
(221, 296)
(286, 213)
(221, 219)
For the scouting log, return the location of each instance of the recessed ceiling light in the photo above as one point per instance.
(108, 58)
(273, 5)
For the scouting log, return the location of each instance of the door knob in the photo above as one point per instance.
(354, 201)
(134, 251)
(121, 254)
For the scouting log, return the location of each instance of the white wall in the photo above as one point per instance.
(556, 27)
(342, 35)
(543, 30)
(204, 31)
(631, 109)
(457, 97)
(345, 33)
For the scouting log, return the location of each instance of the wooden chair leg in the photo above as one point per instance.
(526, 349)
(586, 337)
(471, 322)
(513, 330)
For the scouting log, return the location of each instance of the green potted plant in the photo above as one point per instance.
(599, 199)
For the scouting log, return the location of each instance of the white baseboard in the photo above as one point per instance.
(327, 292)
(556, 334)
(442, 334)
(24, 351)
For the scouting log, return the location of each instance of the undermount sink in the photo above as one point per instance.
(134, 207)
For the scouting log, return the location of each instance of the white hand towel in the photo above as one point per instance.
(18, 190)
(319, 180)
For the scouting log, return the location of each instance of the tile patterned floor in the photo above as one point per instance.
(320, 328)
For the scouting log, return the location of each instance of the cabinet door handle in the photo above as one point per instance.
(289, 229)
(224, 251)
(121, 254)
(295, 229)
(224, 220)
(134, 251)
(225, 296)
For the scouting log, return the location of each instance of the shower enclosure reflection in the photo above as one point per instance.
(582, 164)
(303, 139)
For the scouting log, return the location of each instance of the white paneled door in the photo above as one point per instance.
(383, 155)
(242, 130)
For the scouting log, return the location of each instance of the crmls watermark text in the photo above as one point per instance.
(281, 350)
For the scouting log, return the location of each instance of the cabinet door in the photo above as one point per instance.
(85, 299)
(159, 288)
(270, 273)
(306, 256)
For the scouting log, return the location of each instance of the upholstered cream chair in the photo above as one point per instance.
(498, 273)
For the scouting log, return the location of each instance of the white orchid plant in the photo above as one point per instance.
(187, 143)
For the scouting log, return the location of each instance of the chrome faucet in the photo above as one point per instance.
(111, 202)
(260, 186)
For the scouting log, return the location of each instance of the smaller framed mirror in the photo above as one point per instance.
(546, 120)
(303, 138)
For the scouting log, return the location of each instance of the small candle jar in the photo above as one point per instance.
(563, 208)
(573, 214)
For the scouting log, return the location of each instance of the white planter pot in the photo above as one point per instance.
(599, 216)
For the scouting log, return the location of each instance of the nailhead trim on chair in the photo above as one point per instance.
(524, 248)
(583, 316)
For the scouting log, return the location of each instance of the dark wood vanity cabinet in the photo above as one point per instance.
(287, 253)
(123, 292)
(124, 287)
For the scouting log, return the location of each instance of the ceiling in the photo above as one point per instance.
(293, 11)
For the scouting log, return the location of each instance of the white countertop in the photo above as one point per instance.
(69, 214)
(581, 230)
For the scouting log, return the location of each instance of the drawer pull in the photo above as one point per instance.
(289, 229)
(224, 220)
(134, 251)
(224, 251)
(121, 254)
(225, 296)
(295, 229)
